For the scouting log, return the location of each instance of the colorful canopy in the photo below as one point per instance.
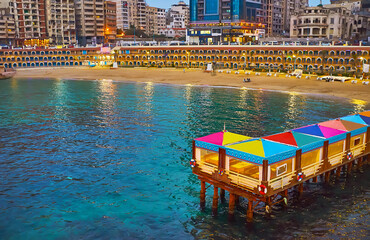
(342, 125)
(365, 119)
(320, 131)
(223, 138)
(357, 119)
(261, 147)
(366, 114)
(295, 139)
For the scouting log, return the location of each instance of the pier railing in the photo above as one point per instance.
(207, 167)
(358, 150)
(243, 181)
(282, 181)
(336, 159)
(312, 169)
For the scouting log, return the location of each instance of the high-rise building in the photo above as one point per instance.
(136, 10)
(110, 21)
(122, 14)
(89, 21)
(155, 20)
(61, 24)
(226, 20)
(30, 22)
(178, 15)
(7, 25)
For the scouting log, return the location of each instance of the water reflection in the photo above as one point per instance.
(103, 159)
(359, 105)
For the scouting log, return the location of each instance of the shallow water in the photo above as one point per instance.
(110, 160)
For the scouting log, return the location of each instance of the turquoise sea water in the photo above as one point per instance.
(110, 160)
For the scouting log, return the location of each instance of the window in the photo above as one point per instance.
(357, 141)
(281, 169)
(331, 20)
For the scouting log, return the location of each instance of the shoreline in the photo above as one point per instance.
(198, 77)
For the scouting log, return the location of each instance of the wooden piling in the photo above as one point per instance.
(202, 194)
(349, 167)
(314, 179)
(250, 211)
(300, 189)
(327, 176)
(339, 170)
(215, 200)
(231, 206)
(222, 195)
(237, 200)
(359, 162)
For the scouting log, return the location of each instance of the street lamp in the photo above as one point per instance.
(245, 61)
(188, 58)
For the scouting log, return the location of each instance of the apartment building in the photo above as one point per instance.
(89, 21)
(289, 8)
(155, 20)
(110, 21)
(226, 20)
(322, 22)
(30, 22)
(61, 24)
(7, 25)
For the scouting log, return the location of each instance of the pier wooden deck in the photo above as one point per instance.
(262, 170)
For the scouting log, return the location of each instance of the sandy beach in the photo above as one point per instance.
(198, 77)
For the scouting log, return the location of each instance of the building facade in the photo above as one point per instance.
(30, 22)
(334, 23)
(226, 21)
(110, 21)
(289, 8)
(155, 20)
(61, 24)
(7, 25)
(89, 21)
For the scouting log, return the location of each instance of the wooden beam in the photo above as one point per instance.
(194, 150)
(298, 158)
(325, 155)
(221, 159)
(348, 142)
(265, 164)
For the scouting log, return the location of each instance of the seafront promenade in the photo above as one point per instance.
(344, 60)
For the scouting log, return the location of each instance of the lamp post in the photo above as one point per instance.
(295, 61)
(188, 58)
(245, 62)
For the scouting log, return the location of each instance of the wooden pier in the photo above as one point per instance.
(263, 170)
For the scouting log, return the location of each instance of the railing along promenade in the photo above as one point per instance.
(309, 58)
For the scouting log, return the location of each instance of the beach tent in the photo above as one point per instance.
(214, 141)
(257, 150)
